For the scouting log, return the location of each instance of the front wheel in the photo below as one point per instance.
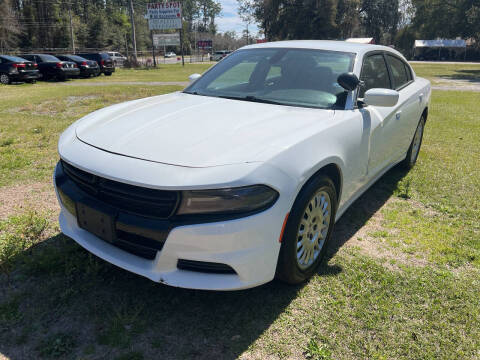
(414, 149)
(4, 79)
(308, 231)
(108, 74)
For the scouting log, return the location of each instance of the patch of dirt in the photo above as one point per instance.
(376, 247)
(35, 196)
(456, 85)
(49, 108)
(75, 99)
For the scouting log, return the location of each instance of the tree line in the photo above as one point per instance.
(390, 22)
(105, 24)
(97, 24)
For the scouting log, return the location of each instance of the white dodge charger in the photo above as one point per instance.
(240, 177)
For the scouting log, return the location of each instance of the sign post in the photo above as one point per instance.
(153, 49)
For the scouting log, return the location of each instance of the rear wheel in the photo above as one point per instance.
(108, 74)
(414, 149)
(4, 79)
(308, 231)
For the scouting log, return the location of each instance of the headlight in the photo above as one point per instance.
(227, 201)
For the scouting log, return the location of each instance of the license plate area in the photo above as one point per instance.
(96, 222)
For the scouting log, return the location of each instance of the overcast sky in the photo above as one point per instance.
(230, 19)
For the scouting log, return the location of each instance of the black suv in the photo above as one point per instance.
(52, 67)
(87, 67)
(16, 69)
(103, 59)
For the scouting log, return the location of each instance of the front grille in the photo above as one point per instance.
(206, 267)
(129, 198)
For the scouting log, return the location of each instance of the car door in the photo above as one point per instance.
(385, 128)
(407, 114)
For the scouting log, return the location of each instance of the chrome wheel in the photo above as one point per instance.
(417, 141)
(4, 79)
(313, 229)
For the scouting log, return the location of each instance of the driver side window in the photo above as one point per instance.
(374, 74)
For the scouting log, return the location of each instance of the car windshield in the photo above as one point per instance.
(13, 58)
(294, 77)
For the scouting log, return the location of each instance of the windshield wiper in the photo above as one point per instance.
(252, 99)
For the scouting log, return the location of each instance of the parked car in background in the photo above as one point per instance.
(170, 54)
(118, 59)
(170, 188)
(17, 69)
(107, 66)
(52, 67)
(219, 55)
(87, 67)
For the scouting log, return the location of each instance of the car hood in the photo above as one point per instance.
(198, 131)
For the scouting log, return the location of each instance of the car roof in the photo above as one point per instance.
(331, 45)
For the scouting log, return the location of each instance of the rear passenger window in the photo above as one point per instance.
(374, 74)
(399, 71)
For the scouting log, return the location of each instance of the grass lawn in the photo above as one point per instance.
(163, 72)
(402, 279)
(437, 72)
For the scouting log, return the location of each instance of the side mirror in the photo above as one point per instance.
(348, 81)
(381, 97)
(194, 77)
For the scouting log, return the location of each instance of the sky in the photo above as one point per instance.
(230, 19)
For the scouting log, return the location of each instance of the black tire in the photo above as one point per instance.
(108, 74)
(288, 268)
(31, 81)
(411, 158)
(5, 79)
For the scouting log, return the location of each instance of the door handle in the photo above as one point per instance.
(398, 115)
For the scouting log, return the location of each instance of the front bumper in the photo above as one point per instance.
(248, 245)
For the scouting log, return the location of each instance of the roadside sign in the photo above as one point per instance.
(204, 44)
(166, 40)
(163, 16)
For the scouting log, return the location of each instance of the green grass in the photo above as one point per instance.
(435, 72)
(402, 280)
(32, 117)
(163, 72)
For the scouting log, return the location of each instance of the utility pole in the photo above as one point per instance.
(134, 38)
(72, 39)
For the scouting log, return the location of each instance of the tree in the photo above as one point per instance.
(293, 19)
(348, 20)
(9, 27)
(380, 19)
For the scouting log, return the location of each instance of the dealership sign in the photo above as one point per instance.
(163, 16)
(204, 44)
(166, 40)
